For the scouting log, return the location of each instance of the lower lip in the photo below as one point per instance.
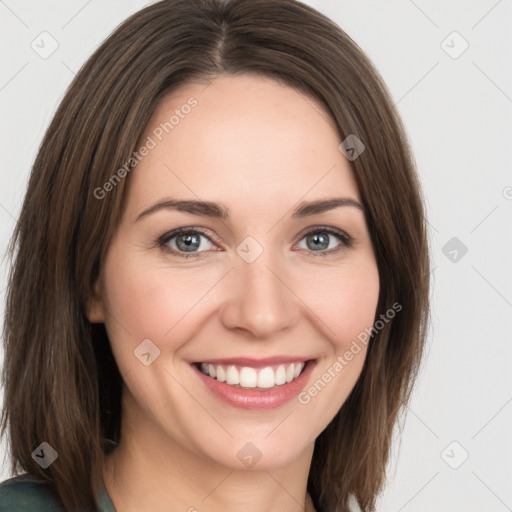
(250, 398)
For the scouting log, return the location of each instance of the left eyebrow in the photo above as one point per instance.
(215, 210)
(323, 205)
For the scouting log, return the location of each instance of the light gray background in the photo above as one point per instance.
(458, 115)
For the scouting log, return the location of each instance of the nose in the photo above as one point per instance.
(260, 300)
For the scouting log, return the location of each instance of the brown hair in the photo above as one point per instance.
(61, 381)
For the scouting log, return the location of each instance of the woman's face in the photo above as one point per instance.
(265, 285)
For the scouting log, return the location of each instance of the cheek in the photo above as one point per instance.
(344, 298)
(152, 300)
(345, 301)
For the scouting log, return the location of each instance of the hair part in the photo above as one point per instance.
(61, 382)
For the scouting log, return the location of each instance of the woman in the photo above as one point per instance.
(219, 291)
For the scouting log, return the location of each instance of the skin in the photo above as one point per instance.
(260, 148)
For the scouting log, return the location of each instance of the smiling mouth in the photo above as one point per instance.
(256, 378)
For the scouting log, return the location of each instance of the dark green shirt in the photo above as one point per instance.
(25, 494)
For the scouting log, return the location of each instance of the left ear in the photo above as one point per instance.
(95, 308)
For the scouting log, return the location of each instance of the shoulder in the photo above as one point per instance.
(24, 493)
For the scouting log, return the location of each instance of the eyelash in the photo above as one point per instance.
(346, 241)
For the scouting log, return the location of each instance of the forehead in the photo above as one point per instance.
(246, 140)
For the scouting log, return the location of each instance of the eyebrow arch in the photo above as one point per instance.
(210, 209)
(202, 208)
(307, 208)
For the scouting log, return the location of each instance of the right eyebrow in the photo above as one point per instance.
(203, 208)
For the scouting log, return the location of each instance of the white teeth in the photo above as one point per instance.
(266, 378)
(221, 374)
(248, 377)
(232, 375)
(289, 373)
(280, 375)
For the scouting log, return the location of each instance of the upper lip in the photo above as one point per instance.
(256, 363)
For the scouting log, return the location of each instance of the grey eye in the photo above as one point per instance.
(319, 241)
(189, 242)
